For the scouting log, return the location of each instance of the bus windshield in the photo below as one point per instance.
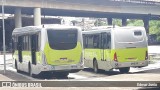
(62, 39)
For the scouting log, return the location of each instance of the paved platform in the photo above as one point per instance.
(8, 58)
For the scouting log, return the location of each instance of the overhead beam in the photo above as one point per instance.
(87, 5)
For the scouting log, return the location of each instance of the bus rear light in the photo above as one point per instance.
(146, 56)
(115, 57)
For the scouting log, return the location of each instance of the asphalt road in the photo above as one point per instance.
(149, 73)
(88, 74)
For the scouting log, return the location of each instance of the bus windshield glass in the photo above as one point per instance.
(62, 39)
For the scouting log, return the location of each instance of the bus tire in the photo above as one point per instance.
(30, 70)
(124, 70)
(16, 67)
(95, 66)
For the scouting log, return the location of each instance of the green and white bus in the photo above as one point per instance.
(53, 49)
(120, 48)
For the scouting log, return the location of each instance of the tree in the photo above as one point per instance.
(100, 22)
(154, 26)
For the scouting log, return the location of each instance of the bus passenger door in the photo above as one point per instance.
(20, 42)
(33, 48)
(103, 40)
(105, 50)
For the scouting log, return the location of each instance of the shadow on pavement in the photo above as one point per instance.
(14, 76)
(50, 77)
(109, 73)
(44, 76)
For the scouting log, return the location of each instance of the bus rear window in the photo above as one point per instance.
(128, 36)
(62, 39)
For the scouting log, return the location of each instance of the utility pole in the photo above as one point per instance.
(4, 47)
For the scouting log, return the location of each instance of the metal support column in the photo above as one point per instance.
(146, 24)
(4, 42)
(37, 16)
(109, 20)
(18, 18)
(124, 22)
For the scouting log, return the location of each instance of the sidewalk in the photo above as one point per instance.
(12, 76)
(154, 49)
(8, 57)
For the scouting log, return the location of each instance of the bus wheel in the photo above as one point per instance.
(16, 67)
(61, 74)
(95, 66)
(124, 70)
(30, 70)
(15, 64)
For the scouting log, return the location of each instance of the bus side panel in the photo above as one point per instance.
(38, 57)
(103, 60)
(107, 58)
(91, 54)
(26, 55)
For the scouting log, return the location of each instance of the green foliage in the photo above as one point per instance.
(134, 22)
(117, 22)
(154, 26)
(100, 22)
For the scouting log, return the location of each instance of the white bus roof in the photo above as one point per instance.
(34, 29)
(100, 29)
(96, 31)
(131, 28)
(105, 27)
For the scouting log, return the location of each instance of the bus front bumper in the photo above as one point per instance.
(130, 64)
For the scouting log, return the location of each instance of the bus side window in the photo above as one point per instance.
(108, 40)
(35, 42)
(84, 41)
(15, 42)
(90, 41)
(20, 43)
(13, 45)
(103, 41)
(96, 41)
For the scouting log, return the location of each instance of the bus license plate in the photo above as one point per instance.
(134, 63)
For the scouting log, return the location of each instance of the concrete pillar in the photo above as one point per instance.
(146, 25)
(18, 18)
(37, 16)
(124, 22)
(109, 20)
